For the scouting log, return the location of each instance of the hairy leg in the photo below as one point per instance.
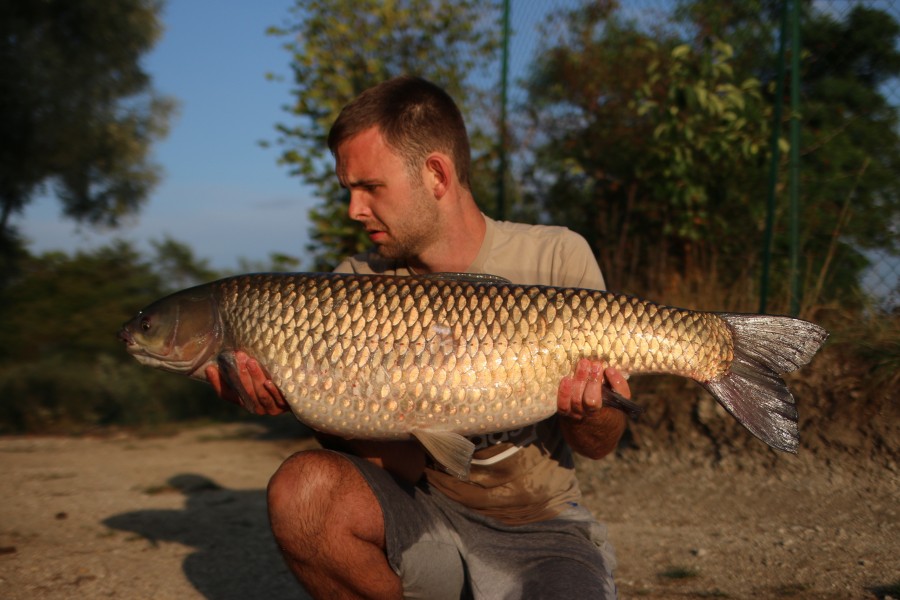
(330, 528)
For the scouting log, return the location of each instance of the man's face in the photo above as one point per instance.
(397, 211)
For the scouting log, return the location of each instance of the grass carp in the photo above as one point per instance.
(443, 356)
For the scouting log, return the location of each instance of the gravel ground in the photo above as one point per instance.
(183, 516)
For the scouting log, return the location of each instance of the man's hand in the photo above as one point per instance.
(591, 429)
(581, 394)
(260, 395)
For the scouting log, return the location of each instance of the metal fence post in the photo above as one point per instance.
(776, 158)
(504, 142)
(794, 178)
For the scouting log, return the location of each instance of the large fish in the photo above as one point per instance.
(445, 356)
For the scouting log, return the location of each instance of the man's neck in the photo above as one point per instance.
(460, 242)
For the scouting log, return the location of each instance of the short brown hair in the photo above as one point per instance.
(415, 116)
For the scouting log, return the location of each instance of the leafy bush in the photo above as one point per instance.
(62, 368)
(56, 394)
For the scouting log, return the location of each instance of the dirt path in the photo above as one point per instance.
(183, 517)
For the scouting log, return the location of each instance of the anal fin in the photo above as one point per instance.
(451, 450)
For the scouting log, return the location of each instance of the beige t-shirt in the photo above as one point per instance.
(528, 474)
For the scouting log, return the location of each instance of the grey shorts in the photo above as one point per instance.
(442, 550)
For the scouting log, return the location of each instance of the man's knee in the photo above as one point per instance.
(303, 479)
(329, 526)
(307, 491)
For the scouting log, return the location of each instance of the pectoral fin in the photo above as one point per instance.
(229, 371)
(451, 450)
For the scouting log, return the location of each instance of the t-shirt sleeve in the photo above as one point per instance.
(577, 266)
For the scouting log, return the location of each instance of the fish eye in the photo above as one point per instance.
(145, 324)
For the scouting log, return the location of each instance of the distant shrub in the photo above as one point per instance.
(57, 395)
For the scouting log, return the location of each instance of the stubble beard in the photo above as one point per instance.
(409, 238)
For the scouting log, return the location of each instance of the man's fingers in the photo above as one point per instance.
(258, 394)
(272, 390)
(212, 376)
(580, 381)
(593, 390)
(564, 395)
(591, 398)
(265, 404)
(223, 391)
(618, 382)
(581, 393)
(269, 398)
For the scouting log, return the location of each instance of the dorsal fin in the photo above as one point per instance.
(469, 278)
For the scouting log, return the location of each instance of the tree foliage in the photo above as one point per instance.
(849, 142)
(61, 366)
(339, 49)
(653, 141)
(177, 265)
(850, 149)
(644, 143)
(77, 110)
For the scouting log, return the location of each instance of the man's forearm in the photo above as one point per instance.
(595, 435)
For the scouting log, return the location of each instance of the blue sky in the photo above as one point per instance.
(221, 193)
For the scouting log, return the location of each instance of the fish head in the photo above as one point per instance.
(178, 333)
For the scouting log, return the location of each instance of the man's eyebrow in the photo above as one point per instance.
(363, 183)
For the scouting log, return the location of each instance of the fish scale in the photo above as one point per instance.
(445, 356)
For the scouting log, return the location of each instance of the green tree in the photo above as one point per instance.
(339, 49)
(645, 144)
(850, 149)
(849, 142)
(709, 143)
(77, 111)
(587, 138)
(657, 139)
(62, 367)
(178, 266)
(72, 305)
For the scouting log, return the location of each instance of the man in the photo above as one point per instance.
(380, 520)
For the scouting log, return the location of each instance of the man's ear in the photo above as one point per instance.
(439, 171)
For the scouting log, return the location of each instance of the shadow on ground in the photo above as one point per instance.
(236, 556)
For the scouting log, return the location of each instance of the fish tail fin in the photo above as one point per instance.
(752, 389)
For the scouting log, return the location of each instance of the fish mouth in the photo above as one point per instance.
(125, 336)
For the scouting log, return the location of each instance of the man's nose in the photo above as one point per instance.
(359, 208)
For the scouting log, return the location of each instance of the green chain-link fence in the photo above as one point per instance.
(535, 26)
